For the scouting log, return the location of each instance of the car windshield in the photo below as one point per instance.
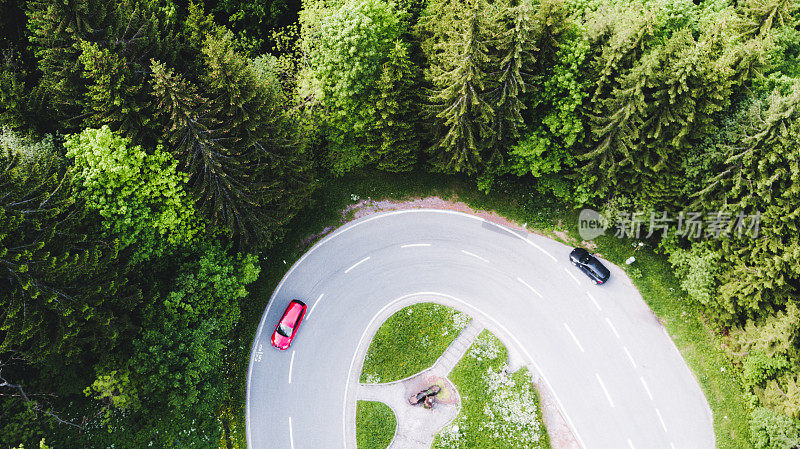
(585, 258)
(284, 330)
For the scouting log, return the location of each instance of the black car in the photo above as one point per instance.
(589, 265)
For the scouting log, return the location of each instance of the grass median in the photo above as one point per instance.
(499, 409)
(410, 341)
(375, 425)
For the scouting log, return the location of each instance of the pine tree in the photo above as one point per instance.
(56, 28)
(218, 178)
(265, 179)
(516, 50)
(459, 59)
(393, 134)
(763, 15)
(94, 56)
(59, 283)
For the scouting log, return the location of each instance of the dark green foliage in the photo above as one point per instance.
(99, 50)
(272, 178)
(176, 365)
(57, 278)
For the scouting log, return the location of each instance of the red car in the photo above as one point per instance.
(287, 326)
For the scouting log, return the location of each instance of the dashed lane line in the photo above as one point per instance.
(291, 434)
(572, 276)
(661, 419)
(603, 386)
(574, 338)
(315, 305)
(357, 264)
(474, 255)
(630, 357)
(530, 288)
(596, 304)
(611, 325)
(646, 388)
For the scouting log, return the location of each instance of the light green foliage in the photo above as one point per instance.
(114, 390)
(140, 196)
(777, 334)
(698, 269)
(351, 42)
(347, 46)
(770, 430)
(759, 367)
(26, 151)
(764, 15)
(42, 445)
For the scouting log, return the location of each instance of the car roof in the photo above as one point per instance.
(293, 311)
(598, 266)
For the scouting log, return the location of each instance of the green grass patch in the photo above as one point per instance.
(410, 341)
(499, 410)
(375, 424)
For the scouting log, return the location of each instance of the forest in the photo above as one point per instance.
(153, 151)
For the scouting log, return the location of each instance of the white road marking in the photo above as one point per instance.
(596, 304)
(603, 386)
(415, 245)
(572, 276)
(611, 325)
(315, 305)
(630, 443)
(646, 388)
(474, 255)
(291, 434)
(532, 244)
(660, 418)
(672, 445)
(291, 366)
(357, 264)
(574, 337)
(531, 288)
(630, 357)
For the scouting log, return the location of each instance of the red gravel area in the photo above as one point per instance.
(369, 207)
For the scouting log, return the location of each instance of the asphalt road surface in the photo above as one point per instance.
(616, 375)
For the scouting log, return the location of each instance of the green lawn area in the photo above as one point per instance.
(375, 424)
(499, 410)
(410, 341)
(522, 203)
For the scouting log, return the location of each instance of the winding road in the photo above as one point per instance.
(618, 378)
